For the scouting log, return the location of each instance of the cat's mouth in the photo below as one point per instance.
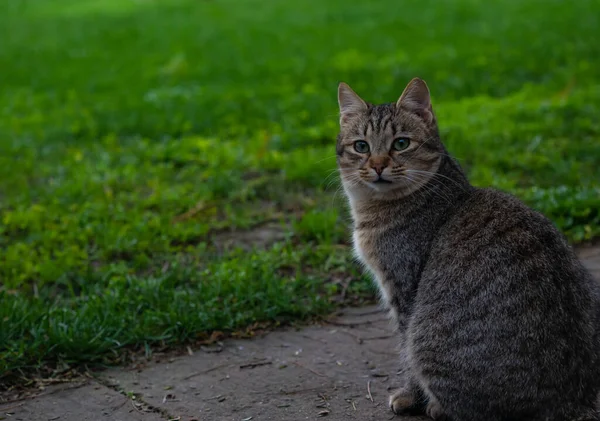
(381, 180)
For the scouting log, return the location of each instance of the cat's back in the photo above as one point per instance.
(504, 304)
(495, 248)
(492, 227)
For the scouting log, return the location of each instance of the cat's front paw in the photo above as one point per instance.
(401, 401)
(435, 411)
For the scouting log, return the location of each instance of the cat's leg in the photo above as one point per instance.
(402, 401)
(408, 400)
(435, 411)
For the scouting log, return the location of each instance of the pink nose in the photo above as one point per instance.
(378, 168)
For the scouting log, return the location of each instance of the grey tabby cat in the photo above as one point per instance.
(497, 318)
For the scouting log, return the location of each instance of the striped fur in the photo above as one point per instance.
(496, 317)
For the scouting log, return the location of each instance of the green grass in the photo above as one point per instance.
(146, 147)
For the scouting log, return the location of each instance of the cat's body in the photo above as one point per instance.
(497, 319)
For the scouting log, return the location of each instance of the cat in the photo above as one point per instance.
(497, 319)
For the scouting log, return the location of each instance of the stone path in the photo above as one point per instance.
(341, 370)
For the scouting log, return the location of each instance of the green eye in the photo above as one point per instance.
(361, 146)
(400, 144)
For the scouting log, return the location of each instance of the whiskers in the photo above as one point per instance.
(436, 186)
(435, 174)
(331, 178)
(325, 159)
(350, 181)
(411, 154)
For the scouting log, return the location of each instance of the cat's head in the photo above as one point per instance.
(390, 150)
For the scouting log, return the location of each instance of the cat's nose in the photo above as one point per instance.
(379, 164)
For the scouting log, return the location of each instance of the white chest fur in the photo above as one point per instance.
(365, 252)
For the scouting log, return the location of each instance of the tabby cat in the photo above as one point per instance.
(497, 318)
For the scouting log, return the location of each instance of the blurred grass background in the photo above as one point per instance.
(167, 168)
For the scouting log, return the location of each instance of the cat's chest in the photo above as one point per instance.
(390, 257)
(365, 249)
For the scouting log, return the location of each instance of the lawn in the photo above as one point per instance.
(167, 169)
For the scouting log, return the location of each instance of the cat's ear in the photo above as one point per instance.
(416, 99)
(350, 103)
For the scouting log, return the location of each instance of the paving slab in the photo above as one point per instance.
(88, 401)
(339, 370)
(342, 370)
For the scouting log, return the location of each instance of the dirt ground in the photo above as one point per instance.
(340, 370)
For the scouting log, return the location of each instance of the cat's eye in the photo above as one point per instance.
(400, 144)
(361, 146)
